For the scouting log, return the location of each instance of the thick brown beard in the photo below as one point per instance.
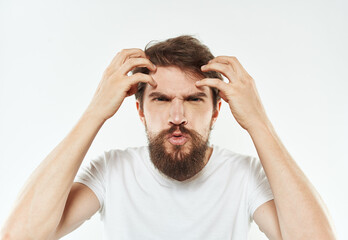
(178, 165)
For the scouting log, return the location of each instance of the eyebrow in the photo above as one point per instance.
(194, 95)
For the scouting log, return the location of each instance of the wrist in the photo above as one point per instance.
(93, 116)
(260, 127)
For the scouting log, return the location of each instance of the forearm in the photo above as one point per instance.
(40, 204)
(301, 212)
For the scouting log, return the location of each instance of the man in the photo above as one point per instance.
(180, 186)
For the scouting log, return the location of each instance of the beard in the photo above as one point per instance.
(178, 164)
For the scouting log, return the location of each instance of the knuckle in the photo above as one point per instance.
(138, 76)
(124, 51)
(225, 67)
(138, 49)
(147, 77)
(131, 50)
(249, 80)
(230, 68)
(131, 61)
(108, 71)
(149, 62)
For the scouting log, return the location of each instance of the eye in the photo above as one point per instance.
(196, 99)
(160, 99)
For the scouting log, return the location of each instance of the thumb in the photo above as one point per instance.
(211, 82)
(215, 83)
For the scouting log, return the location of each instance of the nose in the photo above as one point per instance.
(177, 113)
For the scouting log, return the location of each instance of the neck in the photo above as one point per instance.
(208, 155)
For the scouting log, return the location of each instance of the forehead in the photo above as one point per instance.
(175, 82)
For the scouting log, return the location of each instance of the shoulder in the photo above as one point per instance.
(224, 155)
(124, 155)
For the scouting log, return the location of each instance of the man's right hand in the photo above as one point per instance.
(116, 85)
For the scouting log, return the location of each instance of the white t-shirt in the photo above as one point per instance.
(139, 202)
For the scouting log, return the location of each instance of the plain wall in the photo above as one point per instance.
(53, 54)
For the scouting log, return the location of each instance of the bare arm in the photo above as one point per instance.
(81, 205)
(299, 208)
(297, 202)
(38, 210)
(40, 204)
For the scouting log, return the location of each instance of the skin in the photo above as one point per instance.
(174, 108)
(294, 206)
(49, 208)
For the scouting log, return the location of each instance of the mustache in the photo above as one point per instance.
(181, 127)
(164, 133)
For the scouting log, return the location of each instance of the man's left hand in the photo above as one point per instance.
(240, 92)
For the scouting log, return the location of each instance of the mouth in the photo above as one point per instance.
(177, 138)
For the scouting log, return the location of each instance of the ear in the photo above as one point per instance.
(216, 113)
(140, 112)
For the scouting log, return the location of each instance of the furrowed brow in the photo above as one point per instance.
(194, 95)
(158, 94)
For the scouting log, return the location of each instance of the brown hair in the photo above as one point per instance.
(185, 52)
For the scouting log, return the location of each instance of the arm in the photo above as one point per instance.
(81, 205)
(40, 210)
(297, 202)
(300, 211)
(265, 216)
(40, 204)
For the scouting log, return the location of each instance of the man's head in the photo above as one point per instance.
(177, 115)
(185, 52)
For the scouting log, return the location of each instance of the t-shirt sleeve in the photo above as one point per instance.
(93, 176)
(259, 190)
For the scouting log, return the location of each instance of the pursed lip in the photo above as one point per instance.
(178, 134)
(178, 138)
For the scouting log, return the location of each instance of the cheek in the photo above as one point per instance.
(198, 115)
(201, 121)
(200, 112)
(200, 109)
(154, 120)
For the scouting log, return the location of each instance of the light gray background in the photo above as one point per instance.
(53, 53)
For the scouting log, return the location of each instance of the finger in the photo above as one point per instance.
(125, 54)
(238, 64)
(220, 60)
(215, 83)
(137, 62)
(212, 82)
(238, 68)
(224, 69)
(142, 77)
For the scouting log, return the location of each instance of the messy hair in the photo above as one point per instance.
(185, 52)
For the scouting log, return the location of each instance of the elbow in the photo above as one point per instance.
(10, 235)
(15, 234)
(6, 235)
